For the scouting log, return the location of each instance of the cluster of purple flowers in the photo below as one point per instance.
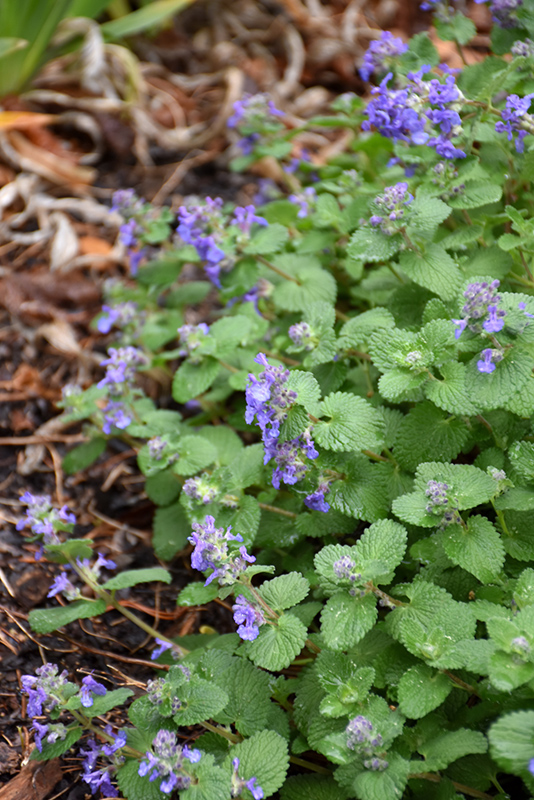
(133, 209)
(238, 784)
(302, 336)
(268, 399)
(391, 204)
(521, 646)
(345, 570)
(49, 732)
(304, 200)
(424, 112)
(503, 11)
(168, 762)
(523, 48)
(157, 447)
(254, 116)
(516, 119)
(118, 316)
(363, 740)
(45, 689)
(290, 467)
(201, 224)
(62, 584)
(379, 53)
(262, 288)
(101, 778)
(200, 489)
(248, 616)
(212, 552)
(441, 9)
(190, 338)
(163, 646)
(44, 520)
(120, 373)
(245, 217)
(482, 302)
(316, 500)
(439, 502)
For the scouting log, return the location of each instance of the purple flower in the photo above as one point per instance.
(163, 646)
(199, 489)
(62, 585)
(126, 203)
(380, 53)
(167, 762)
(118, 316)
(488, 357)
(101, 778)
(516, 119)
(290, 468)
(268, 399)
(460, 327)
(44, 688)
(156, 447)
(245, 217)
(201, 225)
(531, 766)
(249, 617)
(316, 500)
(482, 302)
(191, 337)
(302, 336)
(253, 110)
(115, 416)
(212, 552)
(40, 732)
(502, 11)
(391, 205)
(120, 368)
(238, 784)
(89, 687)
(43, 519)
(303, 200)
(103, 563)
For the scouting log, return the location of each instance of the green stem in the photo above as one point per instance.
(301, 762)
(379, 593)
(374, 456)
(460, 683)
(431, 776)
(525, 265)
(343, 317)
(502, 521)
(229, 367)
(277, 510)
(232, 737)
(88, 725)
(278, 271)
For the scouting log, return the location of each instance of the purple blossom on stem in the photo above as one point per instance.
(379, 54)
(44, 520)
(263, 288)
(199, 489)
(248, 616)
(156, 447)
(238, 784)
(364, 741)
(245, 217)
(51, 732)
(62, 585)
(502, 11)
(115, 416)
(288, 456)
(44, 688)
(391, 205)
(516, 119)
(212, 552)
(168, 762)
(109, 752)
(121, 366)
(162, 647)
(302, 336)
(303, 200)
(90, 687)
(191, 337)
(129, 233)
(316, 500)
(118, 316)
(201, 225)
(482, 303)
(253, 110)
(486, 363)
(268, 399)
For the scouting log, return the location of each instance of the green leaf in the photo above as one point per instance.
(270, 239)
(476, 194)
(370, 244)
(450, 746)
(247, 467)
(196, 594)
(171, 529)
(521, 454)
(71, 549)
(399, 385)
(277, 645)
(517, 536)
(426, 213)
(458, 28)
(263, 756)
(381, 549)
(84, 455)
(285, 591)
(307, 389)
(421, 690)
(353, 424)
(369, 785)
(192, 380)
(143, 18)
(101, 705)
(229, 333)
(345, 620)
(363, 491)
(46, 620)
(162, 488)
(313, 283)
(470, 485)
(426, 433)
(433, 269)
(450, 393)
(478, 549)
(200, 700)
(134, 787)
(356, 331)
(491, 391)
(249, 692)
(212, 782)
(511, 740)
(320, 787)
(57, 749)
(132, 577)
(195, 453)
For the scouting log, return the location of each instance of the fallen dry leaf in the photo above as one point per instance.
(23, 120)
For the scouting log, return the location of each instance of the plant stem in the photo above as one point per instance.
(374, 456)
(459, 682)
(301, 762)
(278, 271)
(232, 737)
(431, 776)
(277, 510)
(229, 367)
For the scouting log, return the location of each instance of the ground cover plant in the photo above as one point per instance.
(350, 454)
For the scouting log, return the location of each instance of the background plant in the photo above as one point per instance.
(353, 416)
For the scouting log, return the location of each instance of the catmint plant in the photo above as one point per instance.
(338, 444)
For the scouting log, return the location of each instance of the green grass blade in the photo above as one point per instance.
(142, 19)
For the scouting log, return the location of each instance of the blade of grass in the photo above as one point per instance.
(142, 19)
